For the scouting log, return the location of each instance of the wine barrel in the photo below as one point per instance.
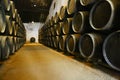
(62, 42)
(80, 23)
(2, 20)
(60, 28)
(5, 49)
(49, 32)
(11, 44)
(21, 42)
(16, 16)
(16, 29)
(20, 32)
(6, 4)
(67, 24)
(9, 29)
(51, 21)
(111, 51)
(72, 43)
(52, 31)
(53, 42)
(56, 17)
(13, 26)
(12, 9)
(32, 39)
(90, 46)
(57, 28)
(56, 40)
(50, 42)
(71, 7)
(15, 42)
(18, 42)
(63, 12)
(105, 15)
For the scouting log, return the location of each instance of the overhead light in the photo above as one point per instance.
(34, 5)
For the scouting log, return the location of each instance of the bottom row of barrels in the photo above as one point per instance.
(9, 45)
(90, 46)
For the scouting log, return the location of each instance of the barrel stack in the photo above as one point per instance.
(88, 29)
(12, 30)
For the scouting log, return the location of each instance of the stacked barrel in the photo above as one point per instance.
(12, 31)
(88, 29)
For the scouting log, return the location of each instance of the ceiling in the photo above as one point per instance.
(33, 10)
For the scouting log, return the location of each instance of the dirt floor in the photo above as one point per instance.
(38, 62)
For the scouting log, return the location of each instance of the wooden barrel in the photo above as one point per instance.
(57, 28)
(71, 7)
(16, 16)
(53, 31)
(56, 40)
(11, 44)
(62, 42)
(6, 4)
(90, 46)
(56, 17)
(49, 32)
(12, 9)
(53, 42)
(20, 32)
(60, 28)
(50, 42)
(72, 43)
(13, 26)
(16, 43)
(111, 51)
(67, 24)
(105, 15)
(9, 28)
(80, 23)
(32, 39)
(16, 29)
(5, 49)
(22, 41)
(51, 21)
(63, 12)
(2, 20)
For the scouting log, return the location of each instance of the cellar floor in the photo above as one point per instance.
(38, 62)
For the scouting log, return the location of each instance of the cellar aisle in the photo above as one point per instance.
(37, 62)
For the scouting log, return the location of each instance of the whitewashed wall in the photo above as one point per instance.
(32, 30)
(58, 4)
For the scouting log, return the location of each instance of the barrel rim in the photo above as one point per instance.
(73, 37)
(68, 11)
(68, 22)
(61, 9)
(4, 25)
(82, 3)
(64, 23)
(56, 17)
(93, 50)
(111, 17)
(104, 51)
(63, 37)
(83, 20)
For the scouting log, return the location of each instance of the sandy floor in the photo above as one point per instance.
(37, 62)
